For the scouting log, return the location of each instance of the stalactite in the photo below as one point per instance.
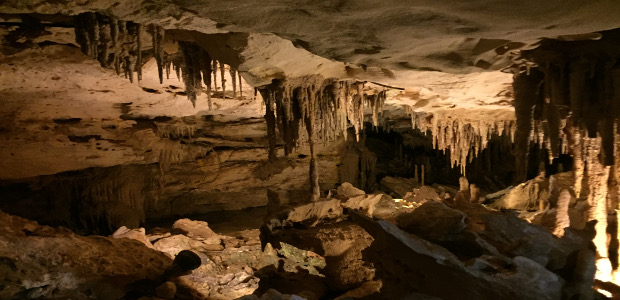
(177, 63)
(215, 69)
(310, 122)
(157, 34)
(205, 67)
(167, 64)
(233, 76)
(118, 44)
(139, 51)
(111, 42)
(463, 139)
(321, 107)
(223, 72)
(175, 131)
(115, 36)
(106, 49)
(240, 87)
(616, 174)
(191, 70)
(270, 96)
(580, 118)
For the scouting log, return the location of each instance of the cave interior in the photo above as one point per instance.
(162, 149)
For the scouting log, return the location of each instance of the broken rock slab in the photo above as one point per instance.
(138, 234)
(529, 195)
(314, 212)
(347, 190)
(46, 262)
(398, 187)
(422, 194)
(197, 230)
(416, 265)
(433, 221)
(174, 244)
(367, 203)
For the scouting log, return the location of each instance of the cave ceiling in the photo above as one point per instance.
(379, 40)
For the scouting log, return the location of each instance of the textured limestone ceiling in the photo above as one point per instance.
(444, 55)
(449, 36)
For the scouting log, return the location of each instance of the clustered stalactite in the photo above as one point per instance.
(157, 34)
(464, 139)
(118, 44)
(570, 104)
(114, 43)
(323, 107)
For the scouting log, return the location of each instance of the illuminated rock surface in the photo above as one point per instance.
(487, 130)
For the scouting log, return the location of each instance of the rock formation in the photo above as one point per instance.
(316, 158)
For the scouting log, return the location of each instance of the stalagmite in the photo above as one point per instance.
(576, 111)
(233, 76)
(598, 176)
(562, 219)
(578, 161)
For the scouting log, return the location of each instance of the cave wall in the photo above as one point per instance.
(568, 102)
(230, 172)
(85, 148)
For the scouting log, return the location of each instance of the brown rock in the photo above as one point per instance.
(167, 290)
(62, 265)
(313, 212)
(198, 230)
(428, 267)
(348, 190)
(422, 194)
(176, 243)
(398, 187)
(134, 234)
(434, 221)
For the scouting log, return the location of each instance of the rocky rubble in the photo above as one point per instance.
(480, 252)
(44, 262)
(339, 248)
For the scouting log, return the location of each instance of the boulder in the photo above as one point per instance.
(398, 187)
(45, 262)
(166, 291)
(174, 244)
(422, 194)
(433, 221)
(347, 190)
(314, 212)
(525, 196)
(416, 265)
(134, 234)
(198, 230)
(374, 205)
